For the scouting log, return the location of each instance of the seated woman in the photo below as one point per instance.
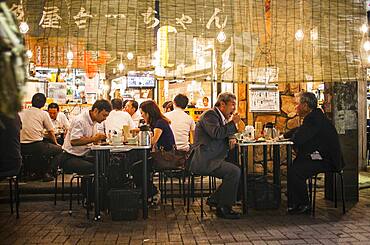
(162, 138)
(162, 134)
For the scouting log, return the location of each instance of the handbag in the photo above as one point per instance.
(168, 160)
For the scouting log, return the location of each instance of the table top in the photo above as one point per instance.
(256, 143)
(118, 148)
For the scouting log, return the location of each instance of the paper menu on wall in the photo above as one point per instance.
(264, 99)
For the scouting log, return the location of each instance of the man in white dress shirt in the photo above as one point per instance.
(83, 131)
(182, 124)
(34, 122)
(59, 120)
(131, 107)
(117, 119)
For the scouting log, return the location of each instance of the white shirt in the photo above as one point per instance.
(136, 118)
(181, 125)
(34, 122)
(222, 116)
(116, 120)
(81, 126)
(61, 121)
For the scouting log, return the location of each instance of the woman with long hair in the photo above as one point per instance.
(162, 134)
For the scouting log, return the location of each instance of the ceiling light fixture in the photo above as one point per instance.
(23, 27)
(221, 37)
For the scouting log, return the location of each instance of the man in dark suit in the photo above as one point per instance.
(318, 150)
(211, 147)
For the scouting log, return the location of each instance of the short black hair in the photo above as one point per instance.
(117, 104)
(38, 100)
(102, 105)
(181, 101)
(168, 104)
(124, 103)
(134, 104)
(53, 106)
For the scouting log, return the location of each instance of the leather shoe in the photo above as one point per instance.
(302, 209)
(211, 202)
(47, 178)
(227, 213)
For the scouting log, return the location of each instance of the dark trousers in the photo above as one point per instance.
(77, 164)
(226, 193)
(137, 172)
(298, 174)
(41, 153)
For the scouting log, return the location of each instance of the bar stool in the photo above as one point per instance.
(180, 174)
(13, 179)
(57, 172)
(313, 199)
(83, 177)
(191, 190)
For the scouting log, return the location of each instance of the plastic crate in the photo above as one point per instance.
(124, 204)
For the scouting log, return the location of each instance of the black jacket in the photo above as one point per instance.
(211, 143)
(317, 133)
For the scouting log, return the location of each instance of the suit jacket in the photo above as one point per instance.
(211, 144)
(317, 133)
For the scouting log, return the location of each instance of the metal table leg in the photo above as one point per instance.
(97, 175)
(244, 164)
(276, 170)
(145, 184)
(289, 163)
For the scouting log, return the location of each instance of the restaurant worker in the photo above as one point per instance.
(59, 120)
(211, 147)
(83, 131)
(318, 150)
(34, 122)
(205, 102)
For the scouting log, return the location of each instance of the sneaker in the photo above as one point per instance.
(156, 199)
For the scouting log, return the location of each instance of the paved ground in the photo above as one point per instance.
(42, 222)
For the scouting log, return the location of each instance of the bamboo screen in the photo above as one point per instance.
(178, 38)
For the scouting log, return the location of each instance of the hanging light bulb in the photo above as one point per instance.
(368, 59)
(221, 37)
(364, 28)
(367, 45)
(130, 55)
(299, 35)
(23, 27)
(121, 67)
(70, 55)
(29, 54)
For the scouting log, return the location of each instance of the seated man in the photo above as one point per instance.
(318, 150)
(117, 119)
(211, 147)
(82, 132)
(182, 124)
(59, 120)
(132, 108)
(34, 122)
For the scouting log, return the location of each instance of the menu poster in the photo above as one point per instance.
(57, 91)
(92, 85)
(264, 99)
